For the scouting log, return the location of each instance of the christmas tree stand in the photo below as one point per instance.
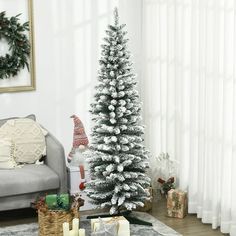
(126, 214)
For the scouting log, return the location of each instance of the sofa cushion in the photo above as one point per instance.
(28, 179)
(3, 121)
(28, 138)
(6, 154)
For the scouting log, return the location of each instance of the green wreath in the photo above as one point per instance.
(19, 46)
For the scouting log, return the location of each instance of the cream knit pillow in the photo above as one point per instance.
(28, 138)
(6, 154)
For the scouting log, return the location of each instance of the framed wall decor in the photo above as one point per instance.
(17, 66)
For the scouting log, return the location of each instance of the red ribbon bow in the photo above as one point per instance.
(162, 181)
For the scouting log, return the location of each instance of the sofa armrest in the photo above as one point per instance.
(55, 159)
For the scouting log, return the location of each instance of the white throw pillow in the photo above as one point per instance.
(28, 137)
(6, 154)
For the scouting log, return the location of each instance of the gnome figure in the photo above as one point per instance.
(80, 143)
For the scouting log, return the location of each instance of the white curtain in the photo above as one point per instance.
(189, 94)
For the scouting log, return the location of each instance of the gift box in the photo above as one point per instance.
(148, 203)
(58, 202)
(122, 225)
(177, 203)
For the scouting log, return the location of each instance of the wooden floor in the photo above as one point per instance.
(189, 226)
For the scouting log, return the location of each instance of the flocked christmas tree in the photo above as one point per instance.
(118, 158)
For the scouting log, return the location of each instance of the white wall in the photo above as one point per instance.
(68, 34)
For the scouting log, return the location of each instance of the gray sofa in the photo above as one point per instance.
(20, 186)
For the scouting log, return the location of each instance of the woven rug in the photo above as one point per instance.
(158, 228)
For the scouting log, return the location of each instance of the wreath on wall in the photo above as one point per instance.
(19, 46)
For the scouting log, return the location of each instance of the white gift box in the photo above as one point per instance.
(123, 224)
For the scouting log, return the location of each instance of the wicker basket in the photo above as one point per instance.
(50, 221)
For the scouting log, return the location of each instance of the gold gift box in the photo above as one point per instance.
(148, 203)
(177, 203)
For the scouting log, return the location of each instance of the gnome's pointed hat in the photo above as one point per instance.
(80, 137)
